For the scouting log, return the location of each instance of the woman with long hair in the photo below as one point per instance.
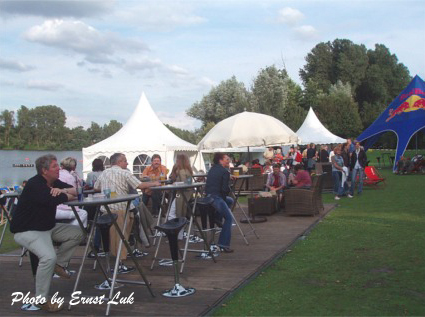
(181, 172)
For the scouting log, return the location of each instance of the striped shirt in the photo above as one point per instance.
(122, 180)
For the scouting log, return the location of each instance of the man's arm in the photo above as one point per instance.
(146, 185)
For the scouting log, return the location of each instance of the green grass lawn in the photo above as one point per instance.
(367, 257)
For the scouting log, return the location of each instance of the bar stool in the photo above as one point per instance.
(172, 228)
(206, 210)
(104, 223)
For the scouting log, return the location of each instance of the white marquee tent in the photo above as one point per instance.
(142, 136)
(313, 131)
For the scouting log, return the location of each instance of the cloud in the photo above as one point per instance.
(161, 16)
(78, 37)
(289, 16)
(62, 8)
(179, 120)
(306, 32)
(44, 85)
(15, 66)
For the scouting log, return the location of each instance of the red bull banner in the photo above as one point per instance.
(405, 117)
(412, 103)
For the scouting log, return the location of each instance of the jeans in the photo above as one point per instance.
(156, 201)
(338, 190)
(223, 210)
(353, 180)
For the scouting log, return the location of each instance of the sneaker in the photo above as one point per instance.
(105, 285)
(337, 198)
(30, 307)
(349, 196)
(91, 255)
(195, 239)
(138, 254)
(165, 262)
(122, 269)
(51, 307)
(62, 272)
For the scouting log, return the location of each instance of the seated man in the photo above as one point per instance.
(256, 164)
(403, 165)
(122, 179)
(218, 188)
(302, 177)
(154, 173)
(276, 181)
(35, 227)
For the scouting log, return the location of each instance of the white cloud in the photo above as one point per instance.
(306, 32)
(160, 16)
(62, 8)
(289, 16)
(15, 66)
(44, 85)
(73, 122)
(79, 37)
(178, 120)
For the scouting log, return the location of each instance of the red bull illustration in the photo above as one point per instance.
(412, 103)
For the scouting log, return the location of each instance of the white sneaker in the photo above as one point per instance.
(337, 198)
(349, 196)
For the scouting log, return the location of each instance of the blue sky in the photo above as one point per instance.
(94, 58)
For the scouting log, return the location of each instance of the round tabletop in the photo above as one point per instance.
(10, 195)
(95, 201)
(178, 186)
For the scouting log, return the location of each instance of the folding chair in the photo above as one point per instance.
(373, 178)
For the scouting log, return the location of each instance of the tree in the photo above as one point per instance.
(25, 127)
(275, 94)
(227, 99)
(49, 122)
(111, 128)
(8, 120)
(186, 135)
(95, 133)
(338, 111)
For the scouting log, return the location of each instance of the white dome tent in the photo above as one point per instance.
(313, 131)
(142, 136)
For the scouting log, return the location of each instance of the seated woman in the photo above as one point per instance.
(302, 177)
(180, 173)
(97, 169)
(268, 168)
(256, 164)
(67, 174)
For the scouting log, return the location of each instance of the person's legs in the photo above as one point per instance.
(361, 176)
(337, 182)
(70, 237)
(353, 181)
(40, 243)
(114, 236)
(145, 199)
(156, 202)
(223, 210)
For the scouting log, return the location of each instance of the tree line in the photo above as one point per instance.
(346, 84)
(43, 128)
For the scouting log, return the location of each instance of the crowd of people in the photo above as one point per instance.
(41, 217)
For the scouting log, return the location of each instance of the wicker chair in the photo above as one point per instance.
(257, 182)
(305, 201)
(326, 168)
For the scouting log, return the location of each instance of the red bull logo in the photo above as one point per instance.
(412, 103)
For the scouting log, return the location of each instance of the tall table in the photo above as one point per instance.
(105, 202)
(236, 192)
(174, 189)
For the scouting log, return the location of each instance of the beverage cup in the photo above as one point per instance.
(236, 173)
(113, 192)
(80, 193)
(107, 192)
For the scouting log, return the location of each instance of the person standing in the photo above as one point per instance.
(337, 170)
(311, 155)
(35, 228)
(218, 188)
(358, 164)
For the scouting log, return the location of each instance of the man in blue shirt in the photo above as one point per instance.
(218, 188)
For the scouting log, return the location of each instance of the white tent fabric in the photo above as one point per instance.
(313, 131)
(248, 129)
(143, 133)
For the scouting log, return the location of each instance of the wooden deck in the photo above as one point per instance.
(212, 281)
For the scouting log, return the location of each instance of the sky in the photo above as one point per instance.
(93, 59)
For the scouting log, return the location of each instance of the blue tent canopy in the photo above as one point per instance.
(405, 116)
